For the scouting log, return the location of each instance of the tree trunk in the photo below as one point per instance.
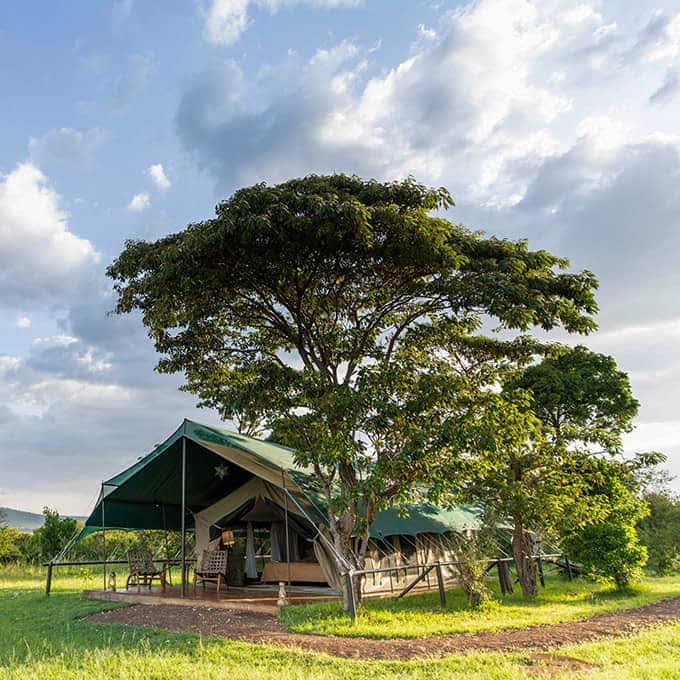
(343, 527)
(343, 543)
(525, 564)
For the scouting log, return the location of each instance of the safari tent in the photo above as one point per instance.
(214, 482)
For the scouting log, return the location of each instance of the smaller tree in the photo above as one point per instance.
(471, 553)
(581, 397)
(610, 550)
(9, 537)
(519, 475)
(53, 534)
(9, 544)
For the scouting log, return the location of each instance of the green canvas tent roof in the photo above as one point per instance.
(147, 495)
(423, 518)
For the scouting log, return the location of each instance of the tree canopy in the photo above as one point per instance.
(581, 397)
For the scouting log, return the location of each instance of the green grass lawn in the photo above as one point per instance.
(421, 615)
(47, 639)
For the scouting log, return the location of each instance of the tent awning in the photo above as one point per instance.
(147, 495)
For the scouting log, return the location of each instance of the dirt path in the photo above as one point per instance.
(265, 628)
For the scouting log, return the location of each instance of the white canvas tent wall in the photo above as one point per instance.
(259, 489)
(255, 489)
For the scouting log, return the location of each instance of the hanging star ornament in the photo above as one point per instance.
(221, 470)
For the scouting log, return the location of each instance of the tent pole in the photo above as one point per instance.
(104, 534)
(165, 532)
(184, 509)
(319, 532)
(285, 514)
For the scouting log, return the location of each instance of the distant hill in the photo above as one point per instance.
(23, 520)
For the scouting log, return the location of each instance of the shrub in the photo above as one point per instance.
(9, 548)
(660, 531)
(610, 550)
(471, 552)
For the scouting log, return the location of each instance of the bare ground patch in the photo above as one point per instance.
(265, 628)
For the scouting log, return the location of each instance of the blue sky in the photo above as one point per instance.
(554, 121)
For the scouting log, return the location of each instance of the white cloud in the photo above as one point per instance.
(653, 436)
(499, 88)
(649, 354)
(426, 33)
(8, 364)
(275, 5)
(224, 21)
(41, 260)
(473, 96)
(54, 341)
(158, 176)
(139, 202)
(667, 90)
(93, 383)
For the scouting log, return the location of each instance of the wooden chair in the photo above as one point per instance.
(213, 568)
(142, 570)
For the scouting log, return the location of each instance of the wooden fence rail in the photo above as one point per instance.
(502, 564)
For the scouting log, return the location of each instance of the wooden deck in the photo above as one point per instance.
(255, 598)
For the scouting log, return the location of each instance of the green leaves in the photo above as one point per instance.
(610, 550)
(10, 539)
(336, 269)
(581, 397)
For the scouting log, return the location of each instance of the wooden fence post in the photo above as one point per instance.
(501, 579)
(440, 583)
(48, 585)
(350, 595)
(505, 577)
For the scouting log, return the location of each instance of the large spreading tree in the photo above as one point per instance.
(345, 316)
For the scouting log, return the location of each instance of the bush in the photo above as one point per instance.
(471, 552)
(9, 544)
(47, 541)
(610, 550)
(660, 531)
